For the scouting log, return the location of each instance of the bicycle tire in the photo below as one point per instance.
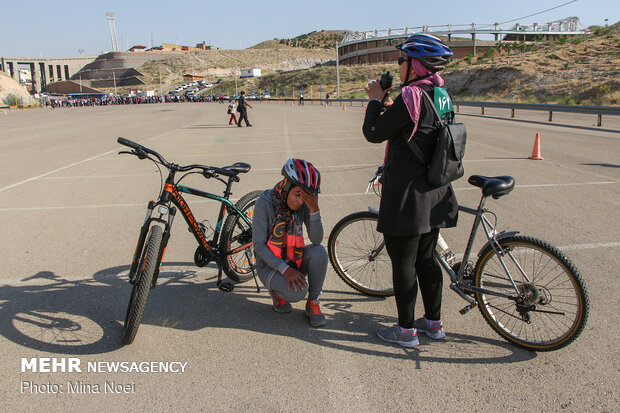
(235, 235)
(357, 254)
(557, 295)
(142, 284)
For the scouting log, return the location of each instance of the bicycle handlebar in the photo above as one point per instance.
(208, 171)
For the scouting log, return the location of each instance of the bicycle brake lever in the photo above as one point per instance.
(208, 174)
(140, 153)
(126, 152)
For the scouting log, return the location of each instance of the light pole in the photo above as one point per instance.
(337, 71)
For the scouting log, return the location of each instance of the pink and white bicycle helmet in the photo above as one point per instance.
(303, 174)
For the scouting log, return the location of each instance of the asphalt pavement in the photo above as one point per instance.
(71, 209)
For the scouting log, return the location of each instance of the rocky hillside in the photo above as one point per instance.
(324, 39)
(581, 70)
(213, 64)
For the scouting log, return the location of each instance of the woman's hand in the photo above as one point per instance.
(374, 91)
(294, 279)
(311, 200)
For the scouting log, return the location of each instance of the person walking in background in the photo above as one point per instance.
(231, 111)
(412, 210)
(243, 110)
(301, 99)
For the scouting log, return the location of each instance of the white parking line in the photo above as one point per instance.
(341, 195)
(323, 168)
(56, 170)
(594, 245)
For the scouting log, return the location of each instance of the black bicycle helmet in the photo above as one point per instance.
(429, 50)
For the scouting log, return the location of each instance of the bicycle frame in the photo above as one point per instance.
(492, 239)
(171, 193)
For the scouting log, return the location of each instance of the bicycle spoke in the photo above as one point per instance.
(549, 311)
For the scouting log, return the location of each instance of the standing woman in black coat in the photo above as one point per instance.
(412, 210)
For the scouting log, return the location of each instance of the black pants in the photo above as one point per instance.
(243, 114)
(413, 256)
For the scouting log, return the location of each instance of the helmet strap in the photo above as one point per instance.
(408, 70)
(408, 82)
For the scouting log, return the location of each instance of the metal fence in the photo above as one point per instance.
(599, 111)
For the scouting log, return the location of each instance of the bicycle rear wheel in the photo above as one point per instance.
(142, 284)
(357, 253)
(548, 305)
(237, 240)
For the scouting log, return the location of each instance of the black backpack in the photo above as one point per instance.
(446, 165)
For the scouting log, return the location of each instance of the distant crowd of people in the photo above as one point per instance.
(128, 100)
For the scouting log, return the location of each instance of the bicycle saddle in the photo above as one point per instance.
(495, 186)
(239, 167)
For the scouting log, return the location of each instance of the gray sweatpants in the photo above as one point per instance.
(313, 265)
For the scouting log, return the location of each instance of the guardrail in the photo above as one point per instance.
(599, 111)
(594, 110)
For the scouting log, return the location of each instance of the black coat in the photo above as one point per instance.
(409, 205)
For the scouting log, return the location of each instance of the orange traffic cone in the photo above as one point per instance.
(536, 150)
(344, 106)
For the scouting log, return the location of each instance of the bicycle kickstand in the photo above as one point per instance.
(253, 268)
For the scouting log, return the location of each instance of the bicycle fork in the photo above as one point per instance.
(148, 220)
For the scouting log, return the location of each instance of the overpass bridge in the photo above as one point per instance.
(43, 71)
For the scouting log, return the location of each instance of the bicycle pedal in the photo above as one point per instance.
(226, 286)
(468, 308)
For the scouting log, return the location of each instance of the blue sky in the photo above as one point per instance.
(46, 28)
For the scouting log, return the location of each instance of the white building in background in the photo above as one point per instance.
(255, 72)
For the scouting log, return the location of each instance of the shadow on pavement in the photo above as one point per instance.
(604, 165)
(85, 317)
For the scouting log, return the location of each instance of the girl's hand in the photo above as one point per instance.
(294, 279)
(311, 200)
(374, 91)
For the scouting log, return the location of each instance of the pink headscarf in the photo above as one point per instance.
(412, 95)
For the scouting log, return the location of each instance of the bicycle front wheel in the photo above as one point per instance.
(546, 307)
(237, 240)
(142, 284)
(357, 253)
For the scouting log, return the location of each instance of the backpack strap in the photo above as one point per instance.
(415, 148)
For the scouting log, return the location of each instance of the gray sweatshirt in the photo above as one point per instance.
(263, 223)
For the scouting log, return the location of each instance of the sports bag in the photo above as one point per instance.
(446, 165)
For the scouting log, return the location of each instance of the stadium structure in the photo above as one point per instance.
(377, 46)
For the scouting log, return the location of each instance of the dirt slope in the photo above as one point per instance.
(9, 86)
(577, 70)
(215, 64)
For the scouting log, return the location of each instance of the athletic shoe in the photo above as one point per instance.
(280, 305)
(313, 311)
(395, 335)
(433, 329)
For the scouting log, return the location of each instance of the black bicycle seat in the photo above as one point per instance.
(239, 167)
(495, 186)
